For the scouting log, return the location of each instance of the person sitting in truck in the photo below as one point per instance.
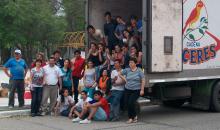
(130, 39)
(134, 53)
(93, 54)
(95, 35)
(118, 55)
(120, 28)
(104, 83)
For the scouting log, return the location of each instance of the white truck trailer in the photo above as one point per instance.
(180, 43)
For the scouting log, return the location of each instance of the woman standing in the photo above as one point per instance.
(67, 77)
(135, 82)
(89, 79)
(36, 83)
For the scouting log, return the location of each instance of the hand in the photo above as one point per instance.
(70, 115)
(9, 75)
(140, 54)
(100, 51)
(142, 93)
(116, 77)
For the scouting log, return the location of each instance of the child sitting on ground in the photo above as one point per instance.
(64, 103)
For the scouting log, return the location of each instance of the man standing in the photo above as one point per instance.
(18, 70)
(58, 59)
(53, 74)
(78, 68)
(109, 29)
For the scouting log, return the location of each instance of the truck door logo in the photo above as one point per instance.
(200, 45)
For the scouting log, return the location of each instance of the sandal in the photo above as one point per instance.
(135, 120)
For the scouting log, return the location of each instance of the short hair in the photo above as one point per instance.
(38, 60)
(107, 13)
(85, 92)
(77, 51)
(90, 61)
(57, 51)
(90, 27)
(133, 59)
(52, 57)
(117, 60)
(98, 93)
(133, 17)
(125, 45)
(118, 17)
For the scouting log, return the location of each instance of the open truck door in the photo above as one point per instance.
(162, 40)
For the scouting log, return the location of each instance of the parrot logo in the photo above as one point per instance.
(194, 16)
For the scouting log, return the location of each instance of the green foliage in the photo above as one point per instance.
(75, 14)
(29, 22)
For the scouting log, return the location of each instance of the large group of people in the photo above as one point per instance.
(111, 73)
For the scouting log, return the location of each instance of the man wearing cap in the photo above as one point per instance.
(18, 69)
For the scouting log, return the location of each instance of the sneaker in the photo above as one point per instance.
(10, 107)
(43, 113)
(76, 119)
(86, 121)
(33, 114)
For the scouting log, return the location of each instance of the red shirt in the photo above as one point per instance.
(105, 106)
(78, 67)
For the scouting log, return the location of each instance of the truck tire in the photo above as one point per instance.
(174, 103)
(216, 98)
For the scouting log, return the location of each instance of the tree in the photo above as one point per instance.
(29, 24)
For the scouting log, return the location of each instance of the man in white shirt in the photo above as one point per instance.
(78, 108)
(116, 91)
(53, 75)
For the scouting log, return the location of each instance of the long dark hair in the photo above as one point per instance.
(62, 95)
(69, 66)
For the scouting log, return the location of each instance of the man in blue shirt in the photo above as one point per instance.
(18, 70)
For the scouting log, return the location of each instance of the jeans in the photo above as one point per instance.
(131, 97)
(76, 91)
(115, 100)
(100, 115)
(19, 86)
(90, 91)
(36, 93)
(65, 112)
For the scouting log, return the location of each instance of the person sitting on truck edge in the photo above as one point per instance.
(134, 87)
(98, 111)
(95, 35)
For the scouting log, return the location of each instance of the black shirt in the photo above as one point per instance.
(60, 63)
(109, 29)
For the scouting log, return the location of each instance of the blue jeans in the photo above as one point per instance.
(100, 115)
(115, 100)
(90, 91)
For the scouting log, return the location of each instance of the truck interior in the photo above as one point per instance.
(123, 8)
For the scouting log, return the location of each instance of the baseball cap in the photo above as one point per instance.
(18, 51)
